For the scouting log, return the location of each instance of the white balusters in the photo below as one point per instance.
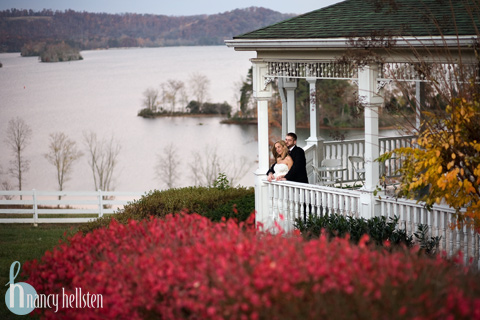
(439, 221)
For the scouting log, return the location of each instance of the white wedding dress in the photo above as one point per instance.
(281, 169)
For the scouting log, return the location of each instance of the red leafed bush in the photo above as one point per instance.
(187, 267)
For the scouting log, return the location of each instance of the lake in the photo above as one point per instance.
(103, 93)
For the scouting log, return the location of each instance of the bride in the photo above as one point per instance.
(283, 160)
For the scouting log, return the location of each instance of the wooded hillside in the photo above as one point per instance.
(86, 30)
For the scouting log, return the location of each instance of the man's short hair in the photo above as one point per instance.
(293, 135)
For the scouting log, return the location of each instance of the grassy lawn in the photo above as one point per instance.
(24, 242)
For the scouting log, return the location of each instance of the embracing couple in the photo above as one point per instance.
(290, 162)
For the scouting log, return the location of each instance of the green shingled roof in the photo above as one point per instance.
(364, 18)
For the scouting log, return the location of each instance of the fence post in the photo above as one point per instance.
(100, 203)
(35, 208)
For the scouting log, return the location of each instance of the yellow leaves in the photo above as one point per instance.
(452, 175)
(446, 158)
(450, 165)
(476, 173)
(468, 186)
(442, 183)
(477, 146)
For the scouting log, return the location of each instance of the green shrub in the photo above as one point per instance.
(239, 209)
(146, 113)
(208, 202)
(379, 229)
(429, 245)
(221, 182)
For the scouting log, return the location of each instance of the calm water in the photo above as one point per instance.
(103, 94)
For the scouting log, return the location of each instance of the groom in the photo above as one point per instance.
(298, 171)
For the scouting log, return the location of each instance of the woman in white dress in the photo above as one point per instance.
(283, 160)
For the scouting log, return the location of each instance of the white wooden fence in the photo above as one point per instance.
(26, 206)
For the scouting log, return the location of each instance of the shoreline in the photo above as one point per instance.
(254, 121)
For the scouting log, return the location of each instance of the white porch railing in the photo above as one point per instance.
(288, 201)
(343, 149)
(293, 200)
(439, 221)
(34, 203)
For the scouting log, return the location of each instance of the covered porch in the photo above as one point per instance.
(312, 47)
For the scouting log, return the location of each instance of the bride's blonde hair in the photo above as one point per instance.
(285, 150)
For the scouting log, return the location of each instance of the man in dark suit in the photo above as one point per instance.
(298, 171)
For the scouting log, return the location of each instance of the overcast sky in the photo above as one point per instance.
(170, 7)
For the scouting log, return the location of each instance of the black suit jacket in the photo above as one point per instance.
(298, 171)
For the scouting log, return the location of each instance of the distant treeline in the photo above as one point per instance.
(84, 30)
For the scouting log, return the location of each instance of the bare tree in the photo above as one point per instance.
(18, 137)
(199, 86)
(102, 160)
(6, 185)
(237, 168)
(166, 168)
(173, 87)
(237, 88)
(207, 165)
(151, 99)
(164, 95)
(183, 98)
(62, 154)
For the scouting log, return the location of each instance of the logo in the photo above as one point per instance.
(20, 296)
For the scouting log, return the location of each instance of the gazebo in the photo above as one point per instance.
(386, 41)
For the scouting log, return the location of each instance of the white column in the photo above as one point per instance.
(262, 92)
(283, 98)
(315, 138)
(419, 102)
(261, 188)
(263, 147)
(290, 85)
(367, 87)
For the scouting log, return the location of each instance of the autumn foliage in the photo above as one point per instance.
(187, 267)
(447, 160)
